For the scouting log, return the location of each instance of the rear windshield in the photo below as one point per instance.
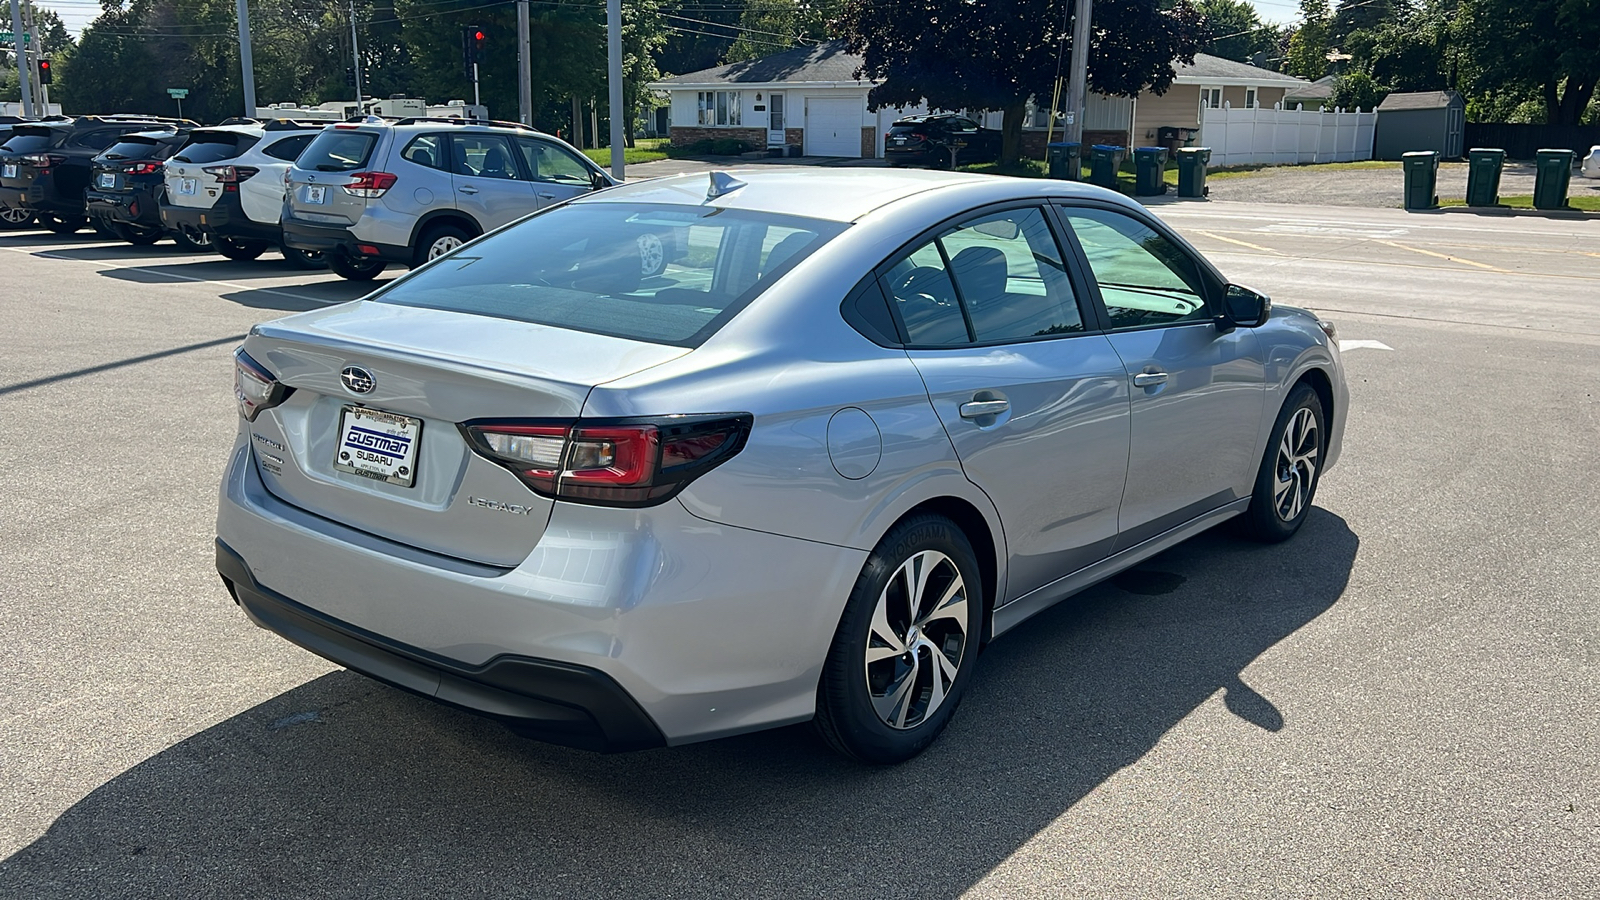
(906, 127)
(29, 141)
(204, 148)
(657, 273)
(338, 151)
(137, 148)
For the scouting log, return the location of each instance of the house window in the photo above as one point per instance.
(1250, 98)
(719, 107)
(1211, 97)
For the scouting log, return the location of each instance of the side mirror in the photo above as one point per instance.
(598, 180)
(1245, 308)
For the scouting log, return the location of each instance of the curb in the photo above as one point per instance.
(1510, 212)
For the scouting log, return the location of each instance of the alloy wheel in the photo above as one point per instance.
(442, 245)
(1296, 465)
(917, 639)
(652, 256)
(11, 215)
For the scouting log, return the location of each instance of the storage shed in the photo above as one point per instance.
(1426, 120)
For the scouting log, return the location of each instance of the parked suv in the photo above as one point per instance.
(46, 165)
(227, 182)
(929, 141)
(126, 185)
(382, 191)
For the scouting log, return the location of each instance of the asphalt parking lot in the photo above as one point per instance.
(1400, 702)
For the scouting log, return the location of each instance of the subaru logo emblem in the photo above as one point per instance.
(357, 380)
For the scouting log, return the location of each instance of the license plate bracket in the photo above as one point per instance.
(316, 193)
(108, 180)
(378, 445)
(10, 171)
(186, 186)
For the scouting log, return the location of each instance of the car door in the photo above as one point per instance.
(558, 174)
(1033, 398)
(1198, 390)
(488, 180)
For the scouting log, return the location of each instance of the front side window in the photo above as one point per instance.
(995, 278)
(550, 163)
(483, 155)
(1145, 279)
(581, 266)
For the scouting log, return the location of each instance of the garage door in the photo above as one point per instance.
(833, 126)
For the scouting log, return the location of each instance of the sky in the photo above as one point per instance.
(76, 13)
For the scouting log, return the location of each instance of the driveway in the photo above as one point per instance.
(1370, 187)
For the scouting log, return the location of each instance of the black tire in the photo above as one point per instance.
(104, 226)
(137, 235)
(437, 241)
(240, 250)
(62, 224)
(1286, 483)
(12, 217)
(355, 268)
(193, 241)
(305, 259)
(847, 717)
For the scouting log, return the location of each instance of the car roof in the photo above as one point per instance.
(256, 130)
(836, 194)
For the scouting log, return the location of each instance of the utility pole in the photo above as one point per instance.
(524, 64)
(246, 63)
(355, 52)
(19, 42)
(1078, 80)
(41, 97)
(614, 58)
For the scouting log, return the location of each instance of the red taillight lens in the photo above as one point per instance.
(919, 135)
(255, 387)
(230, 176)
(143, 168)
(611, 462)
(370, 184)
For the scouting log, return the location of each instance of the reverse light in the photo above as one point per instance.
(610, 462)
(370, 184)
(254, 387)
(143, 168)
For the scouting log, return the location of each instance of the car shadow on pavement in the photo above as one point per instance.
(345, 788)
(312, 295)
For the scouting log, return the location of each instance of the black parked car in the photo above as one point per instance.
(127, 183)
(45, 166)
(940, 141)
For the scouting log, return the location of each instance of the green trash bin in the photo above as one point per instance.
(1149, 171)
(1554, 170)
(1065, 159)
(1483, 176)
(1422, 177)
(1192, 171)
(1104, 159)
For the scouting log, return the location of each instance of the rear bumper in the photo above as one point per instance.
(40, 195)
(225, 218)
(135, 207)
(302, 235)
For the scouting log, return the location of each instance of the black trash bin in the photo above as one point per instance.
(1149, 167)
(1483, 176)
(1192, 171)
(1554, 171)
(1103, 162)
(1422, 177)
(1065, 160)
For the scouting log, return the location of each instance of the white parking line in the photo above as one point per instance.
(155, 271)
(1363, 345)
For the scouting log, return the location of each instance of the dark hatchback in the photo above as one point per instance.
(127, 182)
(46, 166)
(940, 141)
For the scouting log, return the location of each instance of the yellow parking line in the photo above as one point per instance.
(1241, 243)
(1465, 262)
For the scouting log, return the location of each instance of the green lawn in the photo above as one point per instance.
(644, 150)
(1236, 171)
(1525, 201)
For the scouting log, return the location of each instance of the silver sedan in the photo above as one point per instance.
(860, 424)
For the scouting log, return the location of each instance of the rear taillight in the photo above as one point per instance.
(254, 387)
(44, 161)
(230, 176)
(144, 168)
(610, 462)
(370, 184)
(919, 135)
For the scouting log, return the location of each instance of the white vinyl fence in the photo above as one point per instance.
(1285, 136)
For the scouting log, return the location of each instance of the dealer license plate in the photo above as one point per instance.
(108, 180)
(10, 171)
(316, 193)
(378, 445)
(186, 186)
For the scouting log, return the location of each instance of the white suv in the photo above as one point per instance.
(227, 181)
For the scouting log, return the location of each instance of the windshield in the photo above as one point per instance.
(337, 151)
(657, 273)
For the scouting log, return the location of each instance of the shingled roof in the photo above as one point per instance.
(827, 62)
(1227, 71)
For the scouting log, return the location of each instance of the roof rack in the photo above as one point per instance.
(465, 120)
(135, 117)
(296, 124)
(239, 120)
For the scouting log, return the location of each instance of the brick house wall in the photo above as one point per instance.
(683, 136)
(869, 141)
(794, 137)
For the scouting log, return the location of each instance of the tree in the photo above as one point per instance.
(1308, 49)
(770, 26)
(1233, 30)
(1542, 47)
(1351, 15)
(957, 54)
(1357, 90)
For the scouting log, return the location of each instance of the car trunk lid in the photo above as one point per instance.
(325, 183)
(188, 183)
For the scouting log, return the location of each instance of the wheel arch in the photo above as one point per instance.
(1319, 381)
(446, 216)
(975, 525)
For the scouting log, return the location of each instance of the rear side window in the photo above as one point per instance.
(338, 151)
(656, 273)
(99, 140)
(288, 149)
(205, 148)
(426, 150)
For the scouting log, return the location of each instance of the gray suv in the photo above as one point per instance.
(382, 191)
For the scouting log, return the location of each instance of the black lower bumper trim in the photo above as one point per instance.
(550, 701)
(337, 239)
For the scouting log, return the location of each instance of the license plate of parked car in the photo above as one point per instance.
(108, 180)
(378, 445)
(10, 171)
(186, 186)
(316, 193)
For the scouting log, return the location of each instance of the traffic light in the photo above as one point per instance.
(350, 76)
(46, 72)
(472, 40)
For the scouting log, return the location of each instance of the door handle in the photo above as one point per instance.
(977, 409)
(467, 189)
(1149, 379)
(546, 195)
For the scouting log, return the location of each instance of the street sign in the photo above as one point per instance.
(7, 37)
(178, 93)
